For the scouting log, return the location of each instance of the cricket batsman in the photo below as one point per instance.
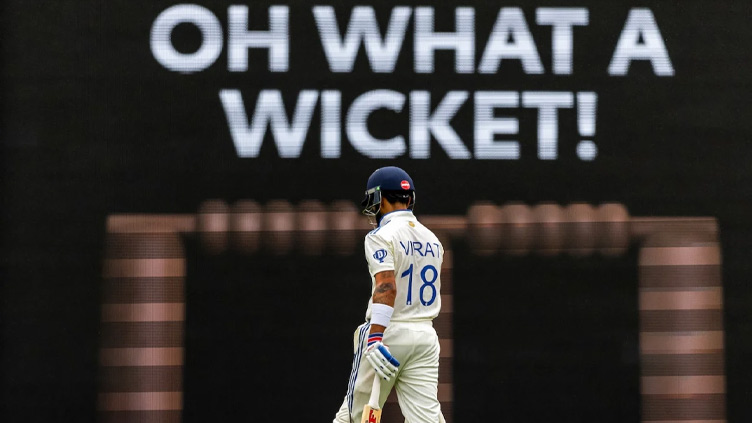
(397, 343)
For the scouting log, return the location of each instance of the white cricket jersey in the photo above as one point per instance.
(402, 244)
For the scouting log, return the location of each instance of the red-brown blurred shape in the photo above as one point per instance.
(312, 227)
(347, 227)
(279, 227)
(517, 229)
(580, 229)
(680, 293)
(681, 328)
(550, 230)
(246, 219)
(143, 313)
(212, 224)
(484, 222)
(613, 229)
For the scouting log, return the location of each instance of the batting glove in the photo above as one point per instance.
(380, 358)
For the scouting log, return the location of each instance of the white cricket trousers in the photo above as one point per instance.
(416, 346)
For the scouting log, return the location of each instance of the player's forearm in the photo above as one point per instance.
(386, 288)
(376, 329)
(384, 293)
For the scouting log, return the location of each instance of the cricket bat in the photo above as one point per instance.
(372, 411)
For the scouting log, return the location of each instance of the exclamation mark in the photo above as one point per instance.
(586, 102)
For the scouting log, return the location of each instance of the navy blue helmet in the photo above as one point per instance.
(392, 182)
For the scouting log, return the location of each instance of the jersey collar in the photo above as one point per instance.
(392, 214)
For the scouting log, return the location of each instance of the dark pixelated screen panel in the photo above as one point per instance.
(546, 339)
(94, 125)
(266, 333)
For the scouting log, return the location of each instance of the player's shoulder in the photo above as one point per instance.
(422, 228)
(377, 234)
(428, 235)
(385, 227)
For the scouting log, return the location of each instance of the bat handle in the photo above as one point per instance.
(375, 393)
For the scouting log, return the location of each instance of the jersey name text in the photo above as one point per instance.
(418, 248)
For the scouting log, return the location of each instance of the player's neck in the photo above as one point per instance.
(387, 207)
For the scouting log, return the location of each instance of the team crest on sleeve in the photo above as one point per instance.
(380, 255)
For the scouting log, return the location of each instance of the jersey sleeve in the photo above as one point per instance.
(379, 254)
